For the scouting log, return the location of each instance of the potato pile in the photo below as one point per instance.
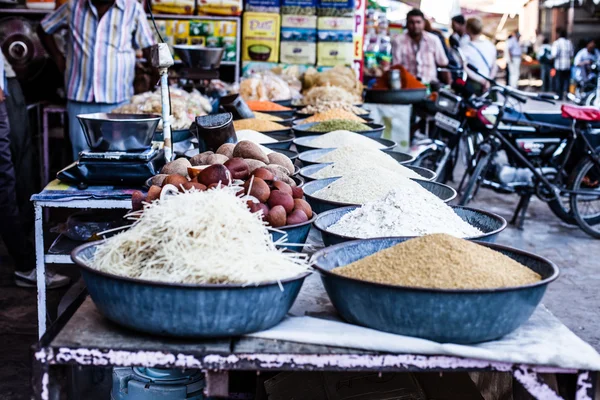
(265, 178)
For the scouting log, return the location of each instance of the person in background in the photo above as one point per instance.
(544, 56)
(585, 57)
(12, 231)
(459, 35)
(481, 53)
(513, 58)
(420, 52)
(100, 61)
(562, 52)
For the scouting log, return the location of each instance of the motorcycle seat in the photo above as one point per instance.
(579, 113)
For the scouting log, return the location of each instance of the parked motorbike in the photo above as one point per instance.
(587, 90)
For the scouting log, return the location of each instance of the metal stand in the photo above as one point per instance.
(518, 217)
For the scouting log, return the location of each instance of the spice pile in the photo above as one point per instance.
(256, 105)
(410, 211)
(363, 158)
(440, 262)
(363, 186)
(322, 106)
(336, 113)
(258, 125)
(266, 117)
(340, 138)
(339, 124)
(254, 136)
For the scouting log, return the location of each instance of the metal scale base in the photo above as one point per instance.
(157, 384)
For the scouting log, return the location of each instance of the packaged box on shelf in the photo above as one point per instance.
(226, 28)
(202, 28)
(335, 41)
(298, 39)
(299, 7)
(230, 45)
(330, 54)
(220, 7)
(181, 33)
(336, 8)
(260, 37)
(185, 7)
(263, 6)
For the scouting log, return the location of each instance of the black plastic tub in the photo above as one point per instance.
(402, 96)
(489, 223)
(441, 315)
(303, 143)
(186, 310)
(374, 132)
(308, 172)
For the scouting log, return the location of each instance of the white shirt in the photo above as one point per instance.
(481, 53)
(513, 47)
(2, 70)
(585, 55)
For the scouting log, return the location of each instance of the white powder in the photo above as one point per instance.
(407, 211)
(341, 138)
(365, 185)
(254, 136)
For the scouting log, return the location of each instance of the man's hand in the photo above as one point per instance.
(2, 96)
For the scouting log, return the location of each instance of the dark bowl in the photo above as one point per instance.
(118, 132)
(308, 172)
(303, 143)
(259, 56)
(292, 155)
(490, 224)
(444, 192)
(312, 156)
(286, 121)
(186, 310)
(402, 96)
(445, 316)
(199, 57)
(296, 234)
(285, 103)
(301, 115)
(374, 133)
(285, 114)
(284, 142)
(176, 136)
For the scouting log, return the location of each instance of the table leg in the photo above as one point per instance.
(534, 385)
(40, 266)
(45, 150)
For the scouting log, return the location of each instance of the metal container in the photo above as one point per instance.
(374, 132)
(296, 234)
(214, 130)
(199, 56)
(284, 139)
(490, 224)
(186, 310)
(441, 315)
(446, 193)
(118, 132)
(235, 104)
(402, 96)
(303, 143)
(312, 156)
(310, 170)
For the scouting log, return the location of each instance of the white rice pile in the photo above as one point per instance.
(408, 211)
(341, 138)
(254, 136)
(365, 185)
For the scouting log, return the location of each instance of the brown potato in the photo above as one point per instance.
(301, 204)
(153, 193)
(178, 167)
(175, 180)
(296, 217)
(279, 198)
(254, 164)
(259, 207)
(200, 159)
(238, 167)
(194, 185)
(284, 187)
(226, 149)
(280, 172)
(137, 198)
(297, 192)
(259, 189)
(158, 179)
(276, 217)
(214, 174)
(247, 149)
(263, 174)
(283, 160)
(216, 159)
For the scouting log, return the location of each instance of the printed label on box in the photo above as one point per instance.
(336, 4)
(298, 53)
(261, 37)
(335, 23)
(331, 54)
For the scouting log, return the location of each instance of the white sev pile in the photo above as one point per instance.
(198, 237)
(339, 138)
(254, 136)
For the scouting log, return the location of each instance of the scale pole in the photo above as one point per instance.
(166, 113)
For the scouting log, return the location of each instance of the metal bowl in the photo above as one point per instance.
(284, 140)
(309, 171)
(374, 133)
(186, 310)
(199, 56)
(118, 132)
(490, 224)
(445, 316)
(402, 96)
(303, 143)
(444, 192)
(312, 156)
(297, 234)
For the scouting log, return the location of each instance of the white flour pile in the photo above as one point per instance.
(341, 138)
(254, 136)
(365, 185)
(407, 211)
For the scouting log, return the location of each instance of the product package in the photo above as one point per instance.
(298, 39)
(335, 8)
(335, 41)
(220, 7)
(266, 6)
(260, 37)
(299, 7)
(209, 33)
(185, 7)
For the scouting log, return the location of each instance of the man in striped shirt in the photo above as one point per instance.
(562, 52)
(100, 56)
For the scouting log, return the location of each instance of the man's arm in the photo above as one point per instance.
(441, 60)
(49, 25)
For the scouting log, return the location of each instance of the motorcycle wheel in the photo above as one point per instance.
(431, 161)
(586, 208)
(475, 180)
(590, 101)
(562, 209)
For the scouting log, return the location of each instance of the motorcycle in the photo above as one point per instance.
(587, 90)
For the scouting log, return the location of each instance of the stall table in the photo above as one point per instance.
(60, 195)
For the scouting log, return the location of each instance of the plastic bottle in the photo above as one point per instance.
(371, 49)
(384, 56)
